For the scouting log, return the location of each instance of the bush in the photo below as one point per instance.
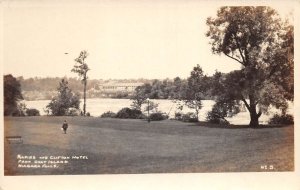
(282, 119)
(158, 116)
(108, 114)
(73, 112)
(178, 116)
(20, 111)
(215, 118)
(88, 114)
(189, 117)
(127, 113)
(32, 112)
(212, 118)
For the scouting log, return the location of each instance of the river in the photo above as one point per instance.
(98, 106)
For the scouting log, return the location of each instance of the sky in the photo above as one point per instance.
(125, 39)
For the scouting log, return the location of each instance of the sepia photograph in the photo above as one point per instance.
(148, 88)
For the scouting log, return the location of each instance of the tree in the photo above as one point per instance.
(176, 88)
(81, 68)
(65, 102)
(225, 87)
(12, 94)
(262, 44)
(140, 95)
(195, 90)
(151, 106)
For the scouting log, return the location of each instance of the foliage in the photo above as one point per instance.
(32, 112)
(190, 117)
(195, 89)
(108, 114)
(140, 96)
(120, 95)
(81, 68)
(256, 38)
(220, 111)
(127, 113)
(158, 116)
(64, 102)
(73, 112)
(285, 119)
(187, 117)
(12, 94)
(45, 88)
(20, 111)
(178, 116)
(151, 107)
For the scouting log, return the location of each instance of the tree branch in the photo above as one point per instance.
(244, 61)
(274, 69)
(246, 103)
(234, 59)
(259, 113)
(239, 48)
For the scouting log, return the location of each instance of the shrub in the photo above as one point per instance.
(108, 114)
(212, 117)
(88, 114)
(20, 111)
(189, 117)
(127, 113)
(73, 112)
(215, 118)
(282, 119)
(178, 116)
(32, 112)
(158, 116)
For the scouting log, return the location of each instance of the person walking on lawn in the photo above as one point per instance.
(65, 126)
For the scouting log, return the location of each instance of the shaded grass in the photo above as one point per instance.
(135, 146)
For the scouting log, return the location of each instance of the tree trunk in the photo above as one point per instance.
(84, 97)
(253, 115)
(254, 119)
(197, 113)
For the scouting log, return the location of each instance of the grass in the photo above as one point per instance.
(117, 146)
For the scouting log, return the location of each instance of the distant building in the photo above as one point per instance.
(119, 87)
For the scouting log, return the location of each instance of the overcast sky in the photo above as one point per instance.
(125, 39)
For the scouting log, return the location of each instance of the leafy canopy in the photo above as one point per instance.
(12, 94)
(262, 43)
(81, 68)
(65, 102)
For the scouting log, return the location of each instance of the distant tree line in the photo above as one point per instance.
(50, 83)
(154, 88)
(37, 88)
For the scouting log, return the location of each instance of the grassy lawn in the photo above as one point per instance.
(135, 146)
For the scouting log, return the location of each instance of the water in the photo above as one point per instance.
(98, 106)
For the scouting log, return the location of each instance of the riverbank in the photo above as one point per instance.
(98, 106)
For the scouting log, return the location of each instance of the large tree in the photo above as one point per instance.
(262, 44)
(81, 68)
(12, 94)
(66, 101)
